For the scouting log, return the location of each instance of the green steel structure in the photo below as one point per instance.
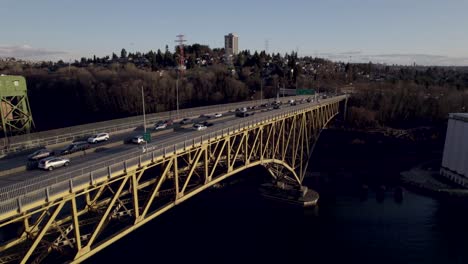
(76, 216)
(15, 112)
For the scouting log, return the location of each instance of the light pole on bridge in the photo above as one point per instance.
(144, 118)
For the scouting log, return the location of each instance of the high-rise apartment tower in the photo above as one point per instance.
(231, 44)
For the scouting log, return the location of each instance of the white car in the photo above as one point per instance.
(138, 140)
(218, 115)
(98, 138)
(160, 126)
(199, 127)
(53, 162)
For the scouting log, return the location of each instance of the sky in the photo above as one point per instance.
(425, 32)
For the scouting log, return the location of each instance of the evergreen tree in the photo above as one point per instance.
(123, 54)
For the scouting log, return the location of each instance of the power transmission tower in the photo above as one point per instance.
(180, 39)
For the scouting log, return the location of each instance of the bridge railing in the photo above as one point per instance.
(67, 134)
(14, 196)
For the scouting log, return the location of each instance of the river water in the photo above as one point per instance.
(236, 225)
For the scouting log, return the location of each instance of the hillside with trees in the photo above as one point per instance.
(100, 88)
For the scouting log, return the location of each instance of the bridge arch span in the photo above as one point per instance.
(74, 216)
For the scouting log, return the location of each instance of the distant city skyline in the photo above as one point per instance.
(425, 32)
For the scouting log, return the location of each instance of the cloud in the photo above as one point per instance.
(397, 58)
(350, 53)
(27, 52)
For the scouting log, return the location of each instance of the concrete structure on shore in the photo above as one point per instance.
(455, 159)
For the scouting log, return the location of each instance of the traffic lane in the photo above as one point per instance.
(22, 160)
(108, 154)
(94, 158)
(125, 137)
(10, 162)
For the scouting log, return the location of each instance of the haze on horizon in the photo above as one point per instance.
(425, 32)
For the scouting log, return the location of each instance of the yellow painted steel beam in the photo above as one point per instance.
(216, 161)
(42, 233)
(136, 209)
(156, 189)
(104, 218)
(76, 226)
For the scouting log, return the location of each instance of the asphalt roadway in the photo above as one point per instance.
(116, 146)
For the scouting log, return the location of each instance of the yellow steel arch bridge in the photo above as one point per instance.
(79, 216)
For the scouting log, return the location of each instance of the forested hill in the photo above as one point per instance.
(100, 88)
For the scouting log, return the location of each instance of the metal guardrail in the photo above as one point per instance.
(62, 135)
(13, 197)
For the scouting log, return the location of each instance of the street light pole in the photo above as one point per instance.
(177, 93)
(261, 92)
(144, 116)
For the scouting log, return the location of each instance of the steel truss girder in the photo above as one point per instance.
(283, 146)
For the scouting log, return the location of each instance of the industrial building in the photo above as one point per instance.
(455, 159)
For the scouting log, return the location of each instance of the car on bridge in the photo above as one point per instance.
(41, 154)
(185, 121)
(98, 138)
(53, 162)
(199, 127)
(138, 139)
(160, 126)
(244, 114)
(207, 124)
(218, 115)
(74, 147)
(241, 110)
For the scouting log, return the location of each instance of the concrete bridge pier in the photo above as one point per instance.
(294, 194)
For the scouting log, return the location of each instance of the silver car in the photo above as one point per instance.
(53, 162)
(40, 154)
(98, 138)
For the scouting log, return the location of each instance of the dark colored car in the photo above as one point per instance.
(160, 122)
(41, 154)
(185, 121)
(207, 124)
(244, 114)
(74, 147)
